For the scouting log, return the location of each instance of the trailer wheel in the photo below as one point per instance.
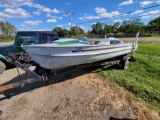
(38, 70)
(2, 67)
(126, 65)
(43, 73)
(125, 62)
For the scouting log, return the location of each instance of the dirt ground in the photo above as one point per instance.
(74, 95)
(6, 43)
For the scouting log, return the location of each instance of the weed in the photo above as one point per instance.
(142, 78)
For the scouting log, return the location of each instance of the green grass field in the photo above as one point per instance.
(142, 78)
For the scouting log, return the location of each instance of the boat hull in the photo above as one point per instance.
(55, 57)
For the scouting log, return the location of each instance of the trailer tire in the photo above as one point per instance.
(125, 62)
(126, 65)
(2, 67)
(38, 70)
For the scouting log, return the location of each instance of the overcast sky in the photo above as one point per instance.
(48, 14)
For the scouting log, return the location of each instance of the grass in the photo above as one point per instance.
(8, 40)
(142, 78)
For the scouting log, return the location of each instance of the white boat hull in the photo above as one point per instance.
(56, 57)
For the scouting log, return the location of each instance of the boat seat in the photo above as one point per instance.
(92, 43)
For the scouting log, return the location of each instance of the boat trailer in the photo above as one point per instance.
(41, 74)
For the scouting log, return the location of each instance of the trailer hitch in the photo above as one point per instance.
(23, 82)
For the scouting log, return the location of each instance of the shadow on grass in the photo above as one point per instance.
(110, 67)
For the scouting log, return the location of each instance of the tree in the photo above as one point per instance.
(132, 26)
(57, 29)
(116, 27)
(124, 26)
(97, 28)
(75, 30)
(108, 29)
(137, 25)
(154, 25)
(7, 29)
(64, 33)
(81, 31)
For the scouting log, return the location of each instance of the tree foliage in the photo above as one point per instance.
(75, 30)
(154, 24)
(108, 29)
(127, 26)
(63, 33)
(7, 29)
(115, 27)
(57, 29)
(132, 26)
(97, 28)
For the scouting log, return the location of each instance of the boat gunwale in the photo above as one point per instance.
(66, 46)
(80, 53)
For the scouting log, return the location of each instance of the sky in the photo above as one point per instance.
(48, 14)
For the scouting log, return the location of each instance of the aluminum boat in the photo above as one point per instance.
(69, 52)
